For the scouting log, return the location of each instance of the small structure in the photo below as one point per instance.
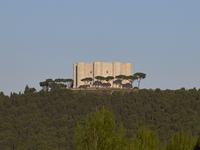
(82, 70)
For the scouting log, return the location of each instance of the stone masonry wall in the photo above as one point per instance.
(82, 70)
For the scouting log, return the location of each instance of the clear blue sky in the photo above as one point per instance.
(42, 39)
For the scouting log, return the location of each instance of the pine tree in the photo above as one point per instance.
(182, 141)
(99, 133)
(145, 139)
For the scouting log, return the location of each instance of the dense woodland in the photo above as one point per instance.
(48, 119)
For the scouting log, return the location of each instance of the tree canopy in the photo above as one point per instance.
(140, 76)
(86, 81)
(48, 119)
(98, 131)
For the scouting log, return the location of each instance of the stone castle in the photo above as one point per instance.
(82, 70)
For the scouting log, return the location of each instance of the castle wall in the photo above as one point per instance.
(117, 68)
(89, 71)
(127, 70)
(107, 69)
(97, 68)
(80, 73)
(75, 75)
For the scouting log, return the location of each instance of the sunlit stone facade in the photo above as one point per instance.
(82, 70)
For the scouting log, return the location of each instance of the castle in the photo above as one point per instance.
(82, 70)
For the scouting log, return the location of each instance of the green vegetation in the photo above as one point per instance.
(118, 80)
(98, 132)
(99, 80)
(131, 79)
(48, 119)
(55, 84)
(140, 76)
(86, 81)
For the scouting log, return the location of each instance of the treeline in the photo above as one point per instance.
(117, 80)
(48, 120)
(98, 132)
(57, 83)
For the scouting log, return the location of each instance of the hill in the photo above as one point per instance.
(48, 120)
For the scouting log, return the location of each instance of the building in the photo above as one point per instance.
(82, 70)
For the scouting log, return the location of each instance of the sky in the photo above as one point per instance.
(43, 39)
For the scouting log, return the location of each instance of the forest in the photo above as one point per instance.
(50, 119)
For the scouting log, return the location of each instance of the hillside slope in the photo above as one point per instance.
(48, 119)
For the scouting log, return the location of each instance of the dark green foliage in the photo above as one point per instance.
(182, 141)
(140, 76)
(197, 145)
(120, 77)
(145, 139)
(56, 84)
(69, 83)
(47, 120)
(86, 81)
(97, 133)
(99, 80)
(29, 90)
(108, 78)
(131, 78)
(119, 80)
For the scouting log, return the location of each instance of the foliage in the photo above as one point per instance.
(47, 120)
(145, 139)
(197, 145)
(57, 83)
(29, 90)
(140, 76)
(131, 79)
(97, 133)
(99, 79)
(119, 80)
(69, 83)
(108, 78)
(182, 141)
(86, 81)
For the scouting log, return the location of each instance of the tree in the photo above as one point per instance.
(99, 79)
(86, 81)
(44, 85)
(121, 139)
(48, 83)
(140, 76)
(26, 89)
(69, 82)
(131, 78)
(182, 141)
(145, 139)
(99, 133)
(108, 78)
(120, 78)
(59, 82)
(197, 145)
(29, 90)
